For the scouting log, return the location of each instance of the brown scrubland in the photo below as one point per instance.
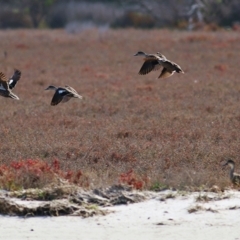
(139, 130)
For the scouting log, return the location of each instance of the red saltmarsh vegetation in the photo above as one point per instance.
(172, 132)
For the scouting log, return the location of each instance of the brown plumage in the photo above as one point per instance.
(7, 85)
(153, 62)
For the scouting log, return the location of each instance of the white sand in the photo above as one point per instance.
(152, 219)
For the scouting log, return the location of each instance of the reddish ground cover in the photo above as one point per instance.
(128, 128)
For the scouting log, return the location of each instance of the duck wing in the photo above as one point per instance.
(4, 88)
(14, 79)
(3, 82)
(73, 92)
(171, 66)
(66, 98)
(58, 96)
(148, 66)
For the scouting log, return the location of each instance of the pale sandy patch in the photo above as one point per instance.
(156, 218)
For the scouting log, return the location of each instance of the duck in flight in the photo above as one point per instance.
(63, 94)
(6, 85)
(157, 61)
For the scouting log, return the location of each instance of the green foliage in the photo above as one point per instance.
(134, 19)
(36, 10)
(157, 186)
(138, 14)
(14, 19)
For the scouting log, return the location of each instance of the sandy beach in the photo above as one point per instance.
(168, 215)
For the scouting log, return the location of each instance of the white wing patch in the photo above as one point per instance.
(60, 91)
(10, 81)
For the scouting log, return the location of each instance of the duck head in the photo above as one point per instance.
(51, 87)
(140, 53)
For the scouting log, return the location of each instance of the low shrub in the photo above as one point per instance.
(32, 173)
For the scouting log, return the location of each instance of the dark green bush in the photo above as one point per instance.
(11, 19)
(134, 19)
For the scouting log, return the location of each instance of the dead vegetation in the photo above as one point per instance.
(129, 129)
(66, 200)
(198, 208)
